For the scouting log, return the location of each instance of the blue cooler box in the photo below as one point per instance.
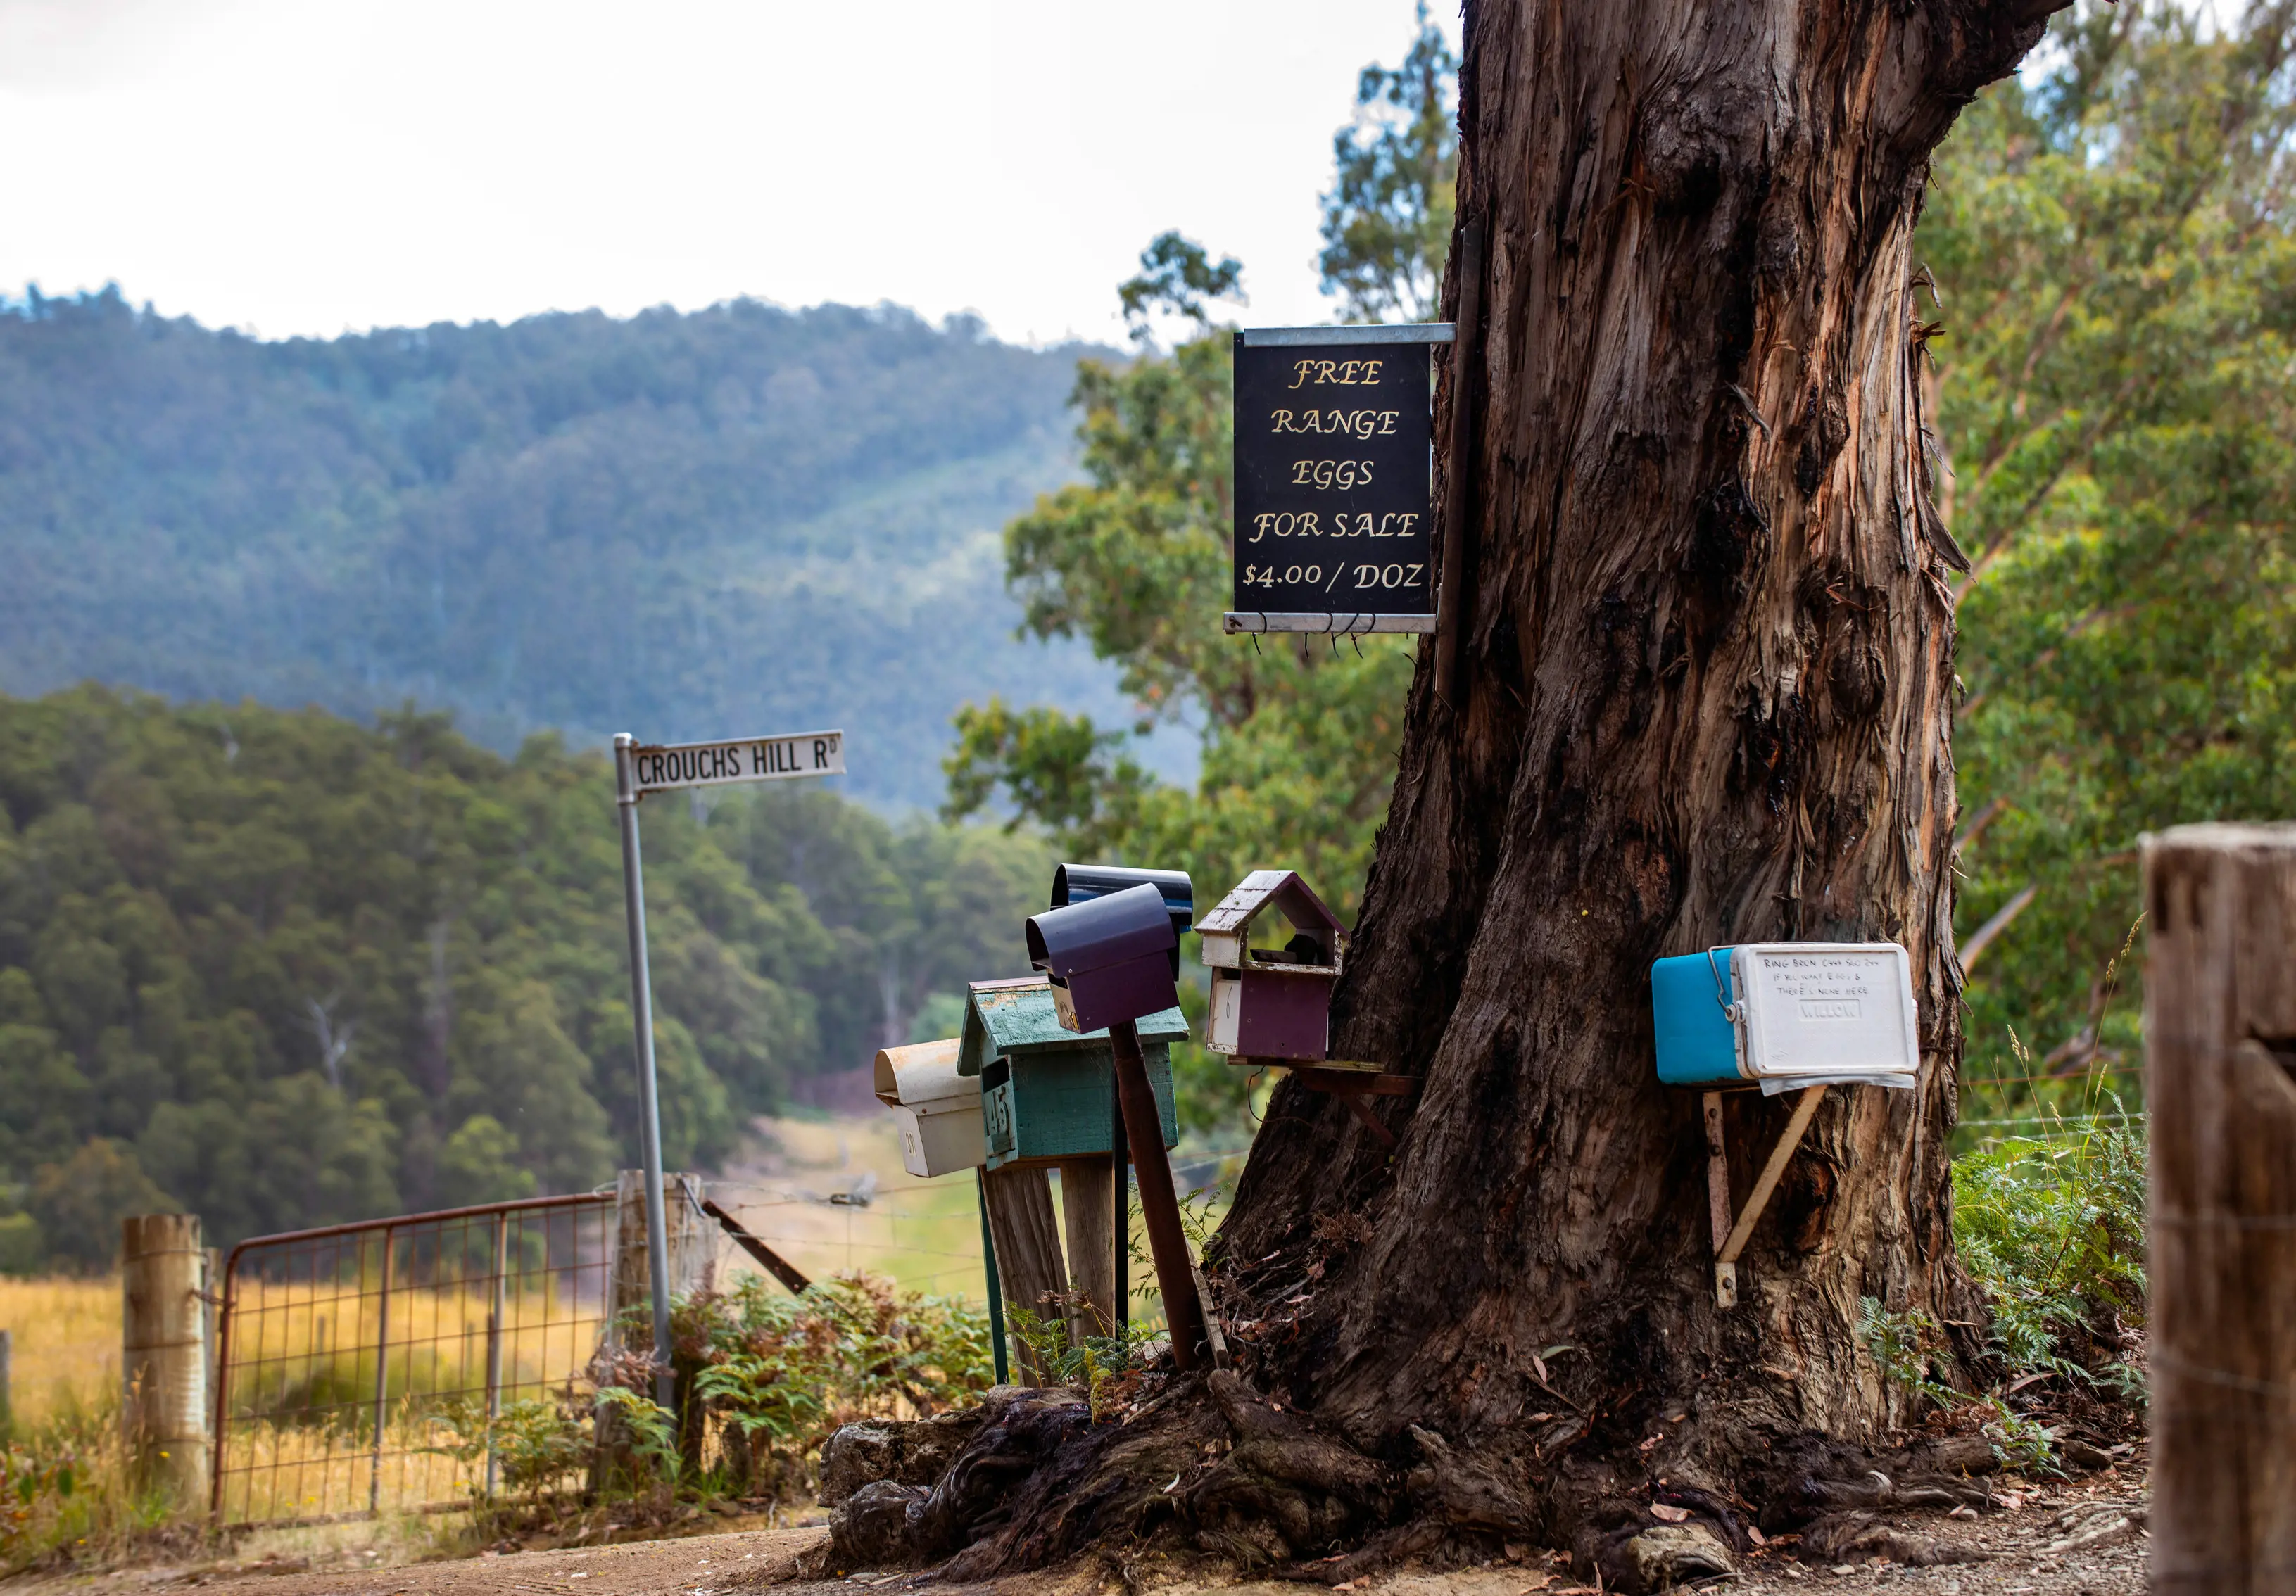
(1785, 1014)
(1697, 1042)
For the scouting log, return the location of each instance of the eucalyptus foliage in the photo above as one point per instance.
(1298, 735)
(2111, 358)
(1387, 220)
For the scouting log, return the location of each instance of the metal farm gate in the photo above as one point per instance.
(365, 1367)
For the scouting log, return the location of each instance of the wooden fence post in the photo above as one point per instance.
(630, 1289)
(2219, 1055)
(691, 1244)
(163, 1361)
(7, 1399)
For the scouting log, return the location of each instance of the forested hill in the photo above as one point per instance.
(286, 969)
(741, 520)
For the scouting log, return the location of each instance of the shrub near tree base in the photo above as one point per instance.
(766, 1379)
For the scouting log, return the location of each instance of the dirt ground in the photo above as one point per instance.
(2081, 1539)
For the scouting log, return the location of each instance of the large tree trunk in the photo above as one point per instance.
(1706, 697)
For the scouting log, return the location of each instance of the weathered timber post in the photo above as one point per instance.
(629, 1322)
(1159, 1203)
(1088, 1206)
(163, 1362)
(2220, 1052)
(691, 1247)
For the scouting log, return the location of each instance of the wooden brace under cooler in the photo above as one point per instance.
(1730, 1239)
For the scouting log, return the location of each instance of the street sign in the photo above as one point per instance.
(658, 767)
(1334, 522)
(640, 768)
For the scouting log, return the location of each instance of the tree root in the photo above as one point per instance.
(1211, 1464)
(1852, 1538)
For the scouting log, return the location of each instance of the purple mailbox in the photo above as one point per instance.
(1109, 958)
(1272, 1002)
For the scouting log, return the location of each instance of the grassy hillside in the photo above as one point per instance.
(741, 519)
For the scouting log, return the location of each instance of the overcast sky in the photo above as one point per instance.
(313, 166)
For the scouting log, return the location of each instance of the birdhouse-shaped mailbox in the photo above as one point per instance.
(1784, 1015)
(1047, 1094)
(1109, 959)
(936, 1108)
(1272, 1003)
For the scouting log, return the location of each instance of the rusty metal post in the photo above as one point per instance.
(495, 1338)
(221, 1389)
(381, 1379)
(1159, 1203)
(163, 1362)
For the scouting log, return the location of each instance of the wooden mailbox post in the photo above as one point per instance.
(1113, 960)
(1047, 1103)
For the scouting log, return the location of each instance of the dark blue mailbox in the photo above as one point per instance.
(1109, 958)
(1081, 883)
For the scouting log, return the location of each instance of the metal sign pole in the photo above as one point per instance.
(625, 799)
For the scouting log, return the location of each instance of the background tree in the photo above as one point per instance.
(2108, 374)
(459, 515)
(1298, 739)
(1387, 221)
(1295, 740)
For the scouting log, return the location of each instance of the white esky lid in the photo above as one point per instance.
(1830, 1009)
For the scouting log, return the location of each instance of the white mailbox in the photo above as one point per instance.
(937, 1109)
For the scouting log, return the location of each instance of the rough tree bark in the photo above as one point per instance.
(1705, 697)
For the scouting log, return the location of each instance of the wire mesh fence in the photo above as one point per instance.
(363, 1368)
(397, 1365)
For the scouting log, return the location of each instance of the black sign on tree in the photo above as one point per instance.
(1334, 527)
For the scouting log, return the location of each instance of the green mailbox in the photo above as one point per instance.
(1047, 1094)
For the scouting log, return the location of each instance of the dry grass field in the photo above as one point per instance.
(922, 1235)
(65, 1334)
